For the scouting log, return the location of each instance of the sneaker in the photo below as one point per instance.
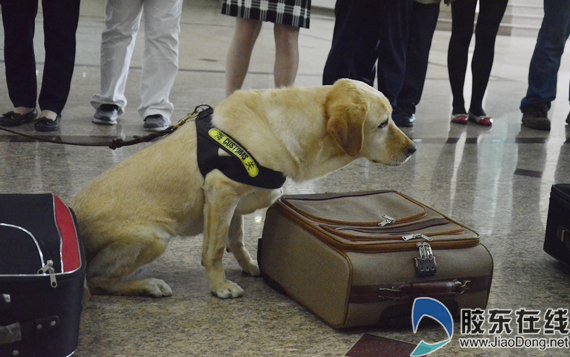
(106, 114)
(536, 117)
(155, 122)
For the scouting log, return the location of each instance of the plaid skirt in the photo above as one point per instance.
(284, 12)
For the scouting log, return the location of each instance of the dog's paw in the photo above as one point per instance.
(156, 288)
(228, 290)
(252, 269)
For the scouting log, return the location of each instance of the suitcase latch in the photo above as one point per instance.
(387, 220)
(425, 264)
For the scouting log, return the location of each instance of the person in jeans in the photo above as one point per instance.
(159, 65)
(61, 18)
(543, 71)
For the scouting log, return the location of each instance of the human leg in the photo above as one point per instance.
(239, 53)
(545, 62)
(286, 55)
(490, 15)
(18, 19)
(122, 22)
(61, 18)
(339, 59)
(160, 57)
(352, 33)
(394, 17)
(422, 27)
(544, 65)
(463, 17)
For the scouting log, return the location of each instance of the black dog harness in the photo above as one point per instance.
(240, 166)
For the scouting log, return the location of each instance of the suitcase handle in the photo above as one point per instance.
(445, 288)
(20, 332)
(405, 292)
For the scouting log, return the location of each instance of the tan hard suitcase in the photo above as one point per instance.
(360, 259)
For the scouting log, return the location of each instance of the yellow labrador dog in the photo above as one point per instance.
(127, 215)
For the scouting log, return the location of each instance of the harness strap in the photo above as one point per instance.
(240, 166)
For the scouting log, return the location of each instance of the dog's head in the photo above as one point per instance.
(359, 119)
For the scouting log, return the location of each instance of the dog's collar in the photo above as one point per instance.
(240, 166)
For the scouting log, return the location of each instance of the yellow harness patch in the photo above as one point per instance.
(234, 148)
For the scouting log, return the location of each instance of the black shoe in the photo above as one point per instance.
(155, 122)
(568, 119)
(404, 120)
(15, 119)
(45, 124)
(536, 117)
(106, 114)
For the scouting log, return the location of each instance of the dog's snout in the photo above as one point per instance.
(411, 149)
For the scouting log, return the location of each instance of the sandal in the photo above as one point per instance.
(484, 120)
(15, 119)
(45, 124)
(459, 118)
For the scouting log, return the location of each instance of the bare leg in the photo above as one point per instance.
(239, 53)
(286, 55)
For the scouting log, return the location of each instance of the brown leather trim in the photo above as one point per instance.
(370, 247)
(285, 201)
(406, 292)
(381, 237)
(400, 229)
(332, 195)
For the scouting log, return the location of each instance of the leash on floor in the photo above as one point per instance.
(118, 142)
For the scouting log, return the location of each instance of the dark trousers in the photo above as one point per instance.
(423, 22)
(352, 30)
(60, 24)
(369, 32)
(488, 21)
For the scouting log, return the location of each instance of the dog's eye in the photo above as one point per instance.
(383, 124)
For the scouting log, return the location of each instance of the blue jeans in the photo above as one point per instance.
(545, 61)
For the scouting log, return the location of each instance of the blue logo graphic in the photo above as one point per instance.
(436, 310)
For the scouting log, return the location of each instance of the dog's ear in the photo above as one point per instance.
(346, 112)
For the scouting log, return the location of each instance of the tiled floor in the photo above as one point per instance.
(495, 180)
